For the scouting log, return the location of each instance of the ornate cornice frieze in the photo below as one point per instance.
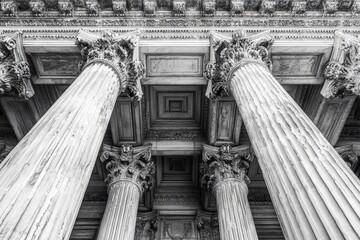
(127, 163)
(224, 163)
(230, 53)
(14, 69)
(120, 52)
(208, 225)
(342, 73)
(146, 225)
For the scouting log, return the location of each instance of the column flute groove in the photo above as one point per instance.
(314, 192)
(44, 178)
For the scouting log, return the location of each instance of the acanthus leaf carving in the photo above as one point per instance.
(118, 51)
(150, 8)
(229, 53)
(355, 8)
(146, 225)
(208, 225)
(130, 164)
(330, 6)
(179, 8)
(9, 7)
(119, 7)
(298, 7)
(92, 7)
(14, 69)
(237, 7)
(208, 8)
(342, 75)
(38, 7)
(267, 7)
(66, 7)
(224, 163)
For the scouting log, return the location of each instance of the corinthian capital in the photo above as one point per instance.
(342, 73)
(14, 69)
(127, 163)
(230, 53)
(224, 163)
(119, 52)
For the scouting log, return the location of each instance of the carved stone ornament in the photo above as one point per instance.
(298, 7)
(208, 225)
(66, 7)
(208, 8)
(237, 7)
(146, 225)
(342, 73)
(119, 7)
(267, 7)
(355, 9)
(9, 7)
(179, 8)
(92, 7)
(349, 156)
(128, 163)
(149, 8)
(119, 52)
(224, 163)
(14, 69)
(330, 6)
(5, 149)
(37, 7)
(229, 53)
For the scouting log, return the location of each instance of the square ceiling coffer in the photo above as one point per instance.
(174, 112)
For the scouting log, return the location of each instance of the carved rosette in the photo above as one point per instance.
(118, 52)
(129, 163)
(342, 73)
(37, 7)
(232, 52)
(14, 69)
(222, 164)
(119, 7)
(146, 225)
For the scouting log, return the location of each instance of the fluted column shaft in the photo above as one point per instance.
(235, 218)
(119, 220)
(314, 192)
(43, 180)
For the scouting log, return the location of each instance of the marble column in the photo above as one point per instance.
(314, 192)
(44, 178)
(224, 172)
(131, 171)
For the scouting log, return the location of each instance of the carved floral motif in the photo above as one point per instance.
(179, 8)
(208, 8)
(66, 7)
(224, 164)
(229, 53)
(9, 7)
(237, 7)
(117, 51)
(208, 226)
(149, 8)
(14, 69)
(298, 7)
(146, 226)
(330, 6)
(92, 7)
(37, 7)
(355, 9)
(130, 164)
(119, 7)
(344, 78)
(267, 7)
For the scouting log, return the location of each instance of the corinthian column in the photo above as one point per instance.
(131, 171)
(14, 69)
(44, 178)
(315, 194)
(224, 172)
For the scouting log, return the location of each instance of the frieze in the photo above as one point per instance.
(237, 7)
(119, 7)
(185, 198)
(184, 134)
(37, 7)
